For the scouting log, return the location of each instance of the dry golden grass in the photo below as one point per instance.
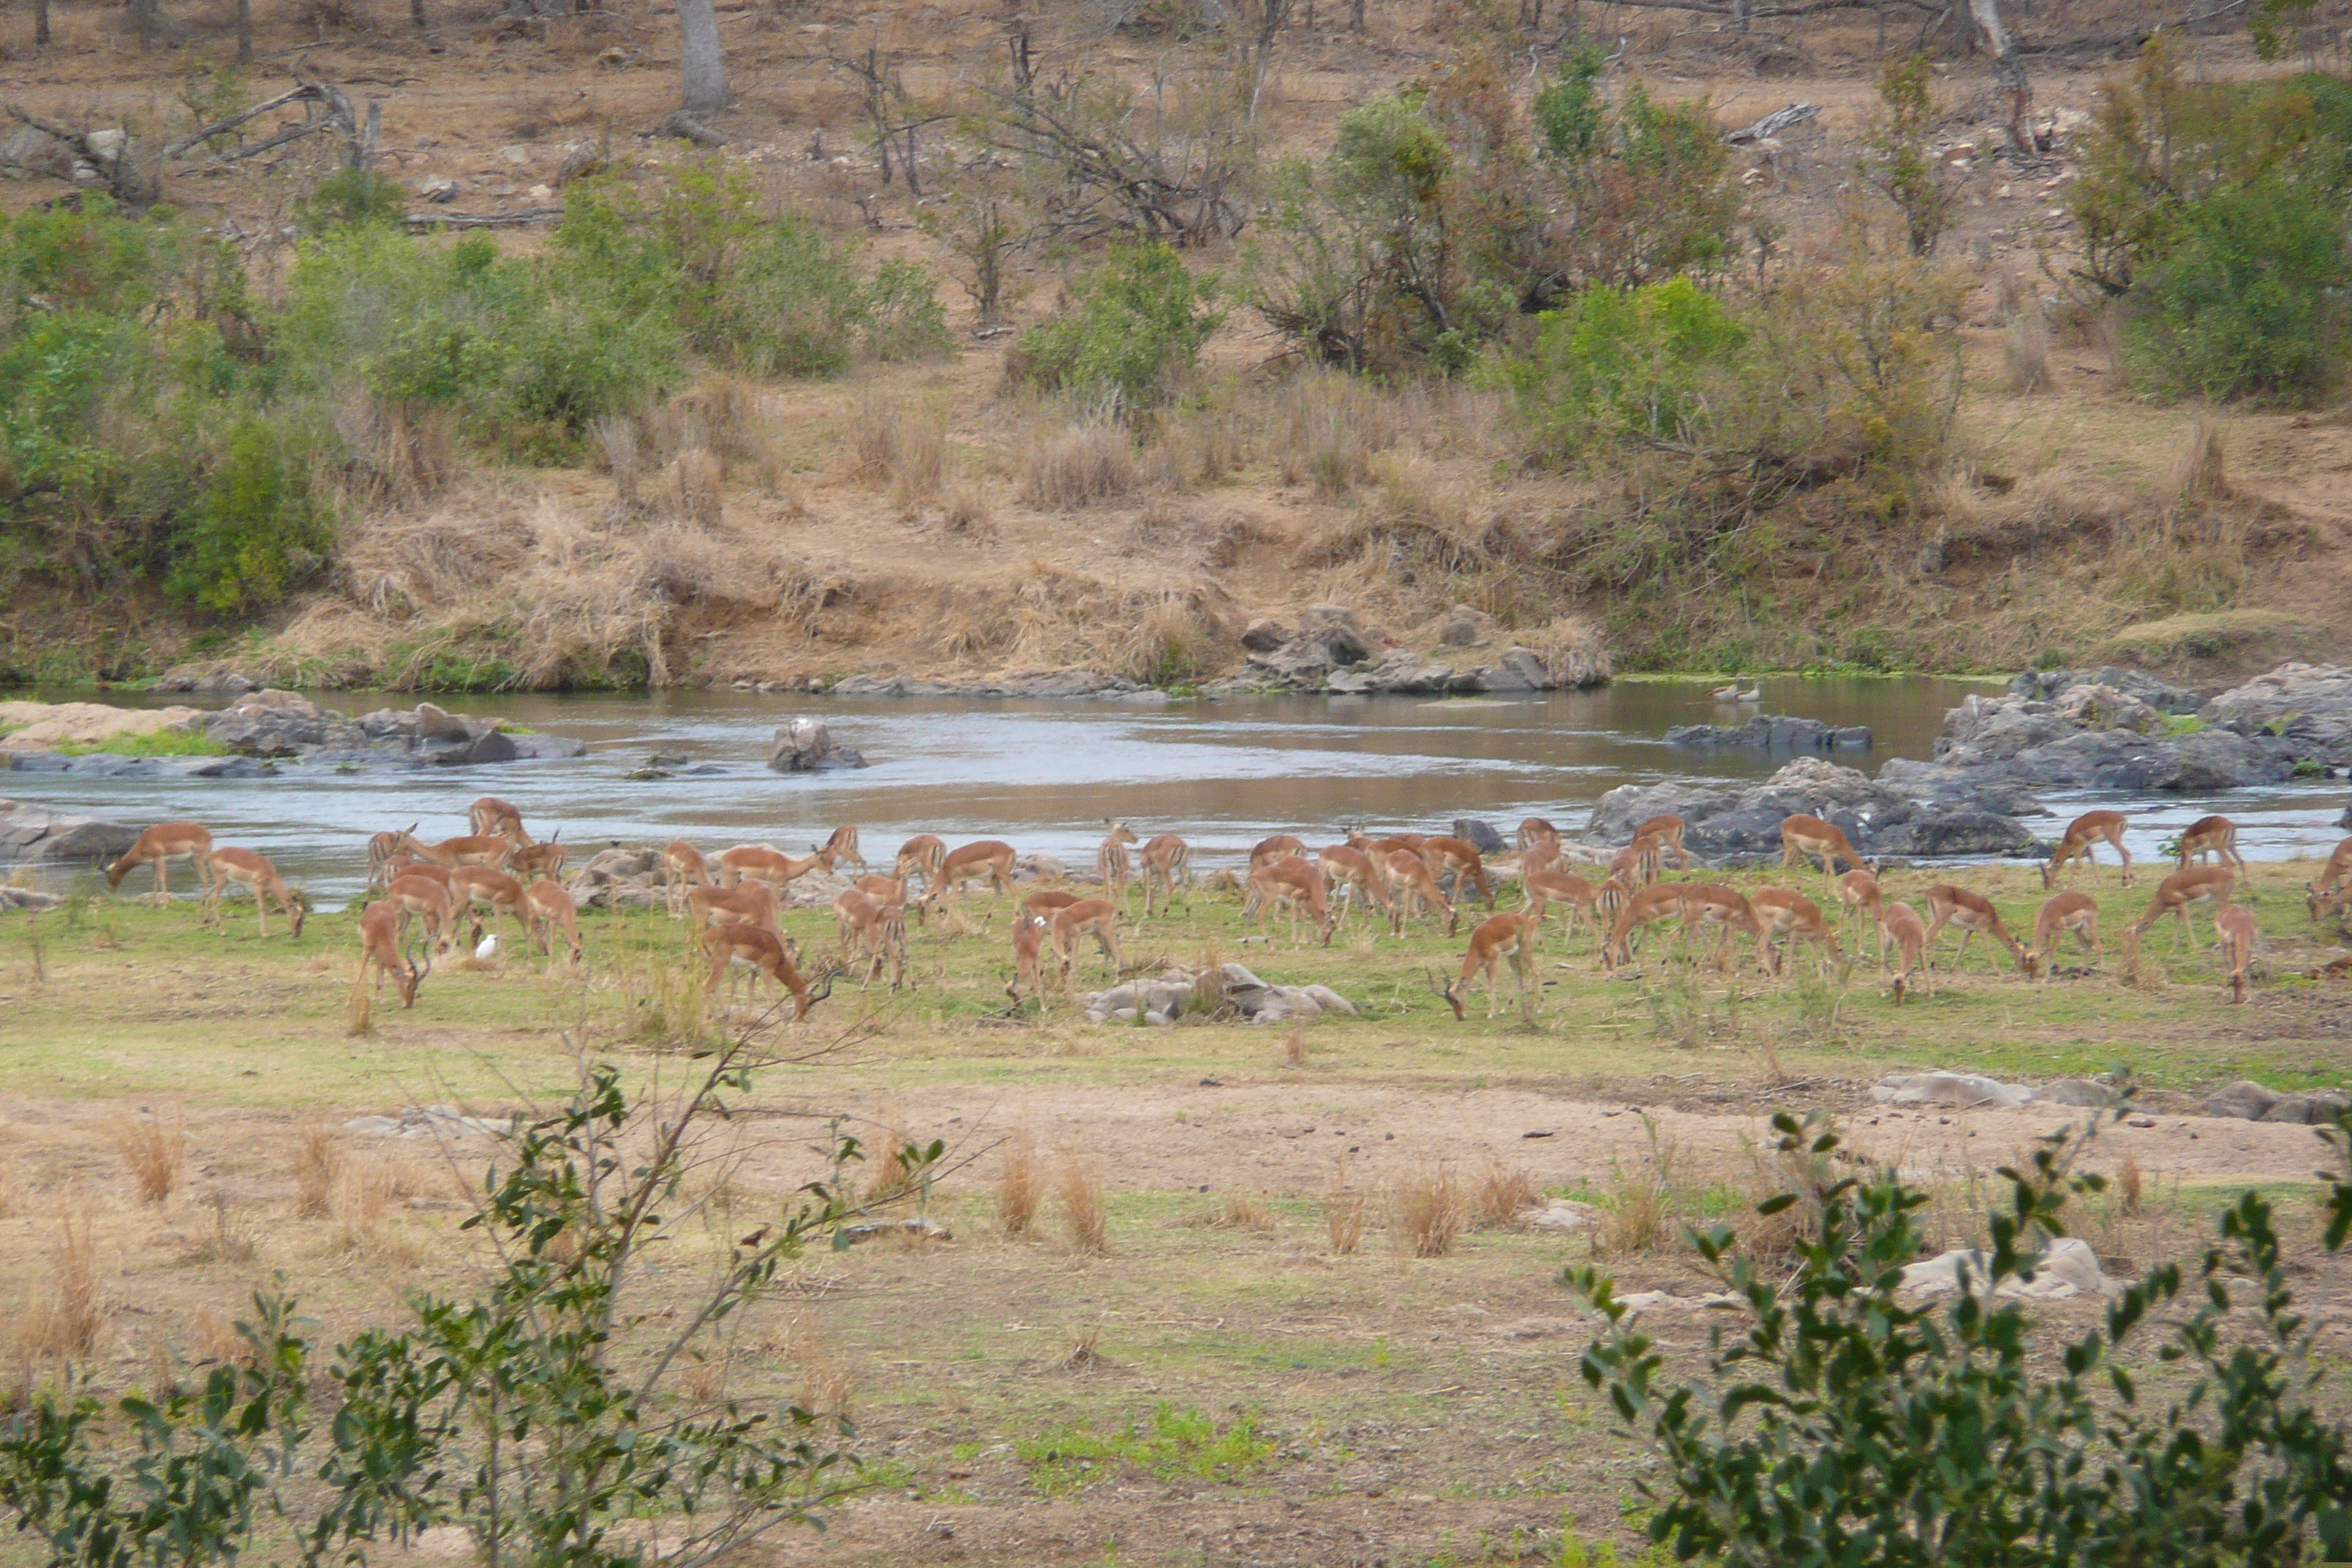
(900, 446)
(2201, 472)
(1504, 1192)
(317, 1162)
(228, 1241)
(155, 1153)
(1427, 1211)
(1294, 1047)
(1346, 1215)
(696, 489)
(1329, 426)
(2025, 353)
(1078, 466)
(965, 508)
(822, 1384)
(363, 1189)
(1022, 1186)
(1078, 1184)
(64, 1315)
(1245, 1211)
(2130, 1185)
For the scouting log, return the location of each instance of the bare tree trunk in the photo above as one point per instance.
(416, 13)
(2010, 67)
(1356, 14)
(143, 12)
(245, 32)
(699, 62)
(41, 23)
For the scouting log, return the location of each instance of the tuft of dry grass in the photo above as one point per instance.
(1637, 1211)
(2201, 473)
(695, 488)
(966, 509)
(317, 1162)
(1246, 1210)
(1294, 1047)
(155, 1154)
(1345, 1217)
(2025, 353)
(1076, 466)
(363, 1190)
(2130, 1185)
(64, 1315)
(1022, 1186)
(1503, 1191)
(1427, 1211)
(1078, 1184)
(887, 1175)
(822, 1384)
(229, 1242)
(900, 446)
(1331, 424)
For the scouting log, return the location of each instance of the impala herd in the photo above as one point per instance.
(731, 901)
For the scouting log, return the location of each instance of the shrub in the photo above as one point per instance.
(1614, 365)
(1133, 331)
(256, 531)
(2249, 299)
(1900, 162)
(352, 198)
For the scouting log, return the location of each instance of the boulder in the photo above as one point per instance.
(491, 745)
(1265, 635)
(1773, 732)
(2046, 684)
(807, 747)
(1962, 1089)
(618, 864)
(31, 899)
(2312, 1108)
(29, 832)
(1399, 672)
(2077, 1092)
(1040, 867)
(2245, 1101)
(1464, 628)
(2067, 1267)
(1564, 1213)
(1518, 669)
(1480, 835)
(2307, 706)
(274, 723)
(438, 188)
(434, 723)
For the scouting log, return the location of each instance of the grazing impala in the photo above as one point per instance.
(490, 815)
(1640, 911)
(2176, 893)
(2083, 835)
(877, 932)
(2334, 884)
(1668, 831)
(544, 859)
(1727, 910)
(988, 857)
(1097, 915)
(379, 950)
(1029, 934)
(1637, 865)
(1974, 915)
(922, 853)
(1113, 869)
(1909, 937)
(1167, 865)
(1805, 838)
(1608, 899)
(1535, 830)
(2234, 925)
(750, 903)
(683, 868)
(759, 862)
(384, 849)
(1790, 914)
(2061, 913)
(425, 896)
(548, 909)
(1353, 870)
(841, 846)
(1546, 886)
(159, 845)
(887, 891)
(2216, 837)
(1289, 883)
(478, 887)
(1494, 938)
(760, 950)
(252, 871)
(1538, 856)
(1048, 901)
(1412, 884)
(489, 849)
(1267, 851)
(1858, 891)
(1461, 858)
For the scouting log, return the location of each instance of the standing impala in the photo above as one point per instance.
(842, 846)
(1067, 924)
(1974, 915)
(474, 888)
(760, 950)
(426, 897)
(1353, 870)
(1113, 869)
(1292, 884)
(770, 866)
(877, 932)
(988, 857)
(2083, 835)
(159, 845)
(383, 848)
(2176, 893)
(1492, 941)
(1029, 934)
(547, 909)
(254, 872)
(2333, 883)
(2235, 924)
(543, 859)
(1858, 892)
(1410, 882)
(1547, 886)
(1461, 858)
(750, 903)
(922, 853)
(2061, 913)
(1167, 865)
(1792, 914)
(1269, 849)
(1668, 831)
(1903, 929)
(1535, 830)
(379, 930)
(1806, 839)
(1727, 910)
(683, 869)
(1638, 912)
(1638, 864)
(490, 815)
(2214, 835)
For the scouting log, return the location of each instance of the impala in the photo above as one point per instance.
(1113, 869)
(160, 844)
(1804, 838)
(1353, 870)
(1668, 831)
(2335, 879)
(1293, 884)
(548, 909)
(1358, 839)
(2176, 893)
(1461, 858)
(1167, 865)
(760, 950)
(413, 895)
(383, 849)
(1609, 898)
(2234, 925)
(2061, 913)
(1541, 853)
(489, 849)
(878, 931)
(1727, 910)
(1029, 934)
(251, 871)
(753, 903)
(1638, 912)
(379, 930)
(1974, 915)
(922, 853)
(1535, 830)
(1048, 901)
(887, 891)
(544, 859)
(683, 868)
(842, 846)
(1411, 883)
(490, 815)
(1546, 886)
(474, 888)
(1267, 851)
(2083, 835)
(1638, 864)
(1792, 914)
(759, 862)
(1097, 915)
(1909, 936)
(1494, 938)
(2216, 837)
(988, 857)
(406, 864)
(1859, 890)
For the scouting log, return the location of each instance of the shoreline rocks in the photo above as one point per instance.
(1047, 684)
(1740, 825)
(1775, 732)
(264, 728)
(35, 833)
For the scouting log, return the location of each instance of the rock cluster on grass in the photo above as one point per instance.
(2250, 1102)
(1741, 824)
(265, 727)
(35, 833)
(1774, 733)
(1179, 992)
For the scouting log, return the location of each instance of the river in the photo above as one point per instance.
(1044, 775)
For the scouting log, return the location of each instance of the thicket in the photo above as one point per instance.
(2213, 213)
(162, 423)
(1130, 333)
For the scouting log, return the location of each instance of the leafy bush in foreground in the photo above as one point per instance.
(1133, 331)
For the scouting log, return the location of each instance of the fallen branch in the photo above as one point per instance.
(221, 127)
(685, 125)
(1772, 125)
(484, 220)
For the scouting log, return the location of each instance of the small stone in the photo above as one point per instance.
(440, 188)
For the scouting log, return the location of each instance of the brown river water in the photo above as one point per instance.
(1044, 775)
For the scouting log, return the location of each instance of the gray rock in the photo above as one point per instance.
(490, 746)
(1480, 835)
(35, 152)
(1464, 628)
(2045, 685)
(2311, 1108)
(1771, 732)
(1264, 636)
(439, 188)
(546, 748)
(272, 723)
(34, 833)
(616, 864)
(1040, 867)
(1518, 669)
(434, 723)
(1937, 831)
(2308, 706)
(2245, 1100)
(35, 763)
(1957, 1088)
(2078, 1091)
(807, 747)
(1398, 673)
(31, 899)
(202, 677)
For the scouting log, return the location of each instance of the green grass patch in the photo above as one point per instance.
(1172, 1445)
(156, 743)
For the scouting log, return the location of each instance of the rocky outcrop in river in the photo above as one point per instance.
(1741, 825)
(1774, 733)
(35, 833)
(1330, 652)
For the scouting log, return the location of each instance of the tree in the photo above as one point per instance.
(699, 63)
(2010, 67)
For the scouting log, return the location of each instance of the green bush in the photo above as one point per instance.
(352, 198)
(256, 532)
(1614, 365)
(2248, 299)
(1133, 331)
